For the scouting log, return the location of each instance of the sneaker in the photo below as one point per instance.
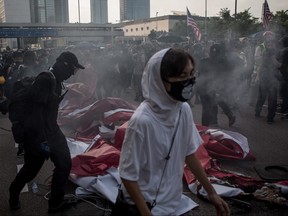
(14, 202)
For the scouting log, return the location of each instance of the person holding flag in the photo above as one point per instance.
(266, 16)
(191, 23)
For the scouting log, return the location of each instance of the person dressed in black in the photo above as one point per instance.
(215, 73)
(41, 127)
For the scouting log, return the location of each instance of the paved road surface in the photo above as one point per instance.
(267, 142)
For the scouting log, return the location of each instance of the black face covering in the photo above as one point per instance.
(182, 90)
(62, 71)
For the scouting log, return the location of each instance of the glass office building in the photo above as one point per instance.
(49, 11)
(134, 9)
(99, 11)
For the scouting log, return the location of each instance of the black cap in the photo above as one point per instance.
(70, 58)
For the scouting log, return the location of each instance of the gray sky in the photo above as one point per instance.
(164, 7)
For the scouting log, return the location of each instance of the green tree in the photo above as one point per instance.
(245, 24)
(219, 28)
(227, 27)
(279, 22)
(225, 16)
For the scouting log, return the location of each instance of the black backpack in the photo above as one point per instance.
(20, 101)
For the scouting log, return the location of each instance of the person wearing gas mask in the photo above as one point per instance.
(41, 129)
(160, 138)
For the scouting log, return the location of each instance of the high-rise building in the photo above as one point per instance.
(34, 11)
(49, 11)
(31, 11)
(134, 9)
(61, 11)
(99, 11)
(14, 11)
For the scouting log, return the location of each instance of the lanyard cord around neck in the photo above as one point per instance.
(167, 158)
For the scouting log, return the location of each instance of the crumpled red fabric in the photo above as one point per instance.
(96, 161)
(219, 148)
(119, 136)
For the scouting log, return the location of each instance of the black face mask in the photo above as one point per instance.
(182, 90)
(62, 71)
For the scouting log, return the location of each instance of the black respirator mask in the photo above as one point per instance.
(182, 90)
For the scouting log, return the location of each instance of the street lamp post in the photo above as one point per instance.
(235, 8)
(79, 11)
(156, 21)
(205, 22)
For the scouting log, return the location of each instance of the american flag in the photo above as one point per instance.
(267, 15)
(191, 22)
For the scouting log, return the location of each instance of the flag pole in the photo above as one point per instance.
(235, 9)
(187, 30)
(266, 15)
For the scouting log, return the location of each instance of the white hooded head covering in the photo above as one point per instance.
(154, 92)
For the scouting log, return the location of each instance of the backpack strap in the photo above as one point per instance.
(52, 77)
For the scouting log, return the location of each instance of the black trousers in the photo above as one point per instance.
(210, 103)
(34, 160)
(265, 91)
(209, 109)
(60, 156)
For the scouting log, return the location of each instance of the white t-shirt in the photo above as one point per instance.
(146, 144)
